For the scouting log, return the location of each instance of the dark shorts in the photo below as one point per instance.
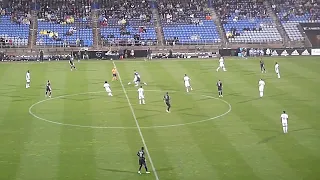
(48, 89)
(142, 162)
(114, 75)
(219, 90)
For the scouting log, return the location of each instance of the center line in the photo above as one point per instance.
(137, 124)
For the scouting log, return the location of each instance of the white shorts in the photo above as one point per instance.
(284, 123)
(108, 90)
(187, 84)
(221, 65)
(141, 96)
(261, 89)
(28, 80)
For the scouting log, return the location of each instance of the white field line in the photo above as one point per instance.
(137, 124)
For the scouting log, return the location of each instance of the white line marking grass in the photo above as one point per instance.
(137, 123)
(121, 127)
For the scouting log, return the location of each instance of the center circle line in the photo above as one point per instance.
(123, 127)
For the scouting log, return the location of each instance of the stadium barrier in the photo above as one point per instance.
(274, 52)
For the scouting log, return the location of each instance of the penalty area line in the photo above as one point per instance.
(137, 124)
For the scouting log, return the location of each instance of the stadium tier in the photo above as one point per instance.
(14, 22)
(247, 21)
(69, 23)
(291, 13)
(186, 21)
(64, 23)
(18, 37)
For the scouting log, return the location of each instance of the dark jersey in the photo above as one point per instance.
(138, 79)
(141, 156)
(166, 98)
(48, 87)
(219, 85)
(261, 63)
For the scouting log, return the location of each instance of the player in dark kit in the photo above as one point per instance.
(262, 68)
(48, 89)
(142, 160)
(166, 99)
(72, 66)
(219, 85)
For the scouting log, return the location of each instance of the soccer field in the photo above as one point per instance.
(83, 134)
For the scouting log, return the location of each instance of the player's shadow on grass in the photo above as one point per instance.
(254, 99)
(133, 172)
(279, 133)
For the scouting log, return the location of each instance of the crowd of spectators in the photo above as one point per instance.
(296, 8)
(190, 11)
(18, 10)
(240, 9)
(64, 12)
(129, 17)
(125, 10)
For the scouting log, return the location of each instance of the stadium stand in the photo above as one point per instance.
(64, 23)
(69, 23)
(293, 12)
(187, 22)
(129, 21)
(14, 15)
(247, 21)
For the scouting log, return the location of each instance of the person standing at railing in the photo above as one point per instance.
(41, 56)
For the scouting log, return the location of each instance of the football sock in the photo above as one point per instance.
(143, 102)
(284, 129)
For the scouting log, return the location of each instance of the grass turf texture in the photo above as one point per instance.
(247, 143)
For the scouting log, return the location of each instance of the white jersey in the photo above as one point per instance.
(28, 77)
(276, 68)
(141, 93)
(186, 80)
(261, 85)
(221, 61)
(284, 118)
(107, 87)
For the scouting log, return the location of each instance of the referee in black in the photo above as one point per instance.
(219, 86)
(166, 99)
(142, 160)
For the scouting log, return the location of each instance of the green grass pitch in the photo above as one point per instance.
(82, 134)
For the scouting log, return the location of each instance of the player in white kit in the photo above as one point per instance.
(261, 87)
(28, 79)
(187, 84)
(284, 120)
(108, 89)
(277, 70)
(221, 64)
(141, 95)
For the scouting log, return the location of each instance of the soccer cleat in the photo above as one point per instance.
(139, 172)
(167, 111)
(147, 172)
